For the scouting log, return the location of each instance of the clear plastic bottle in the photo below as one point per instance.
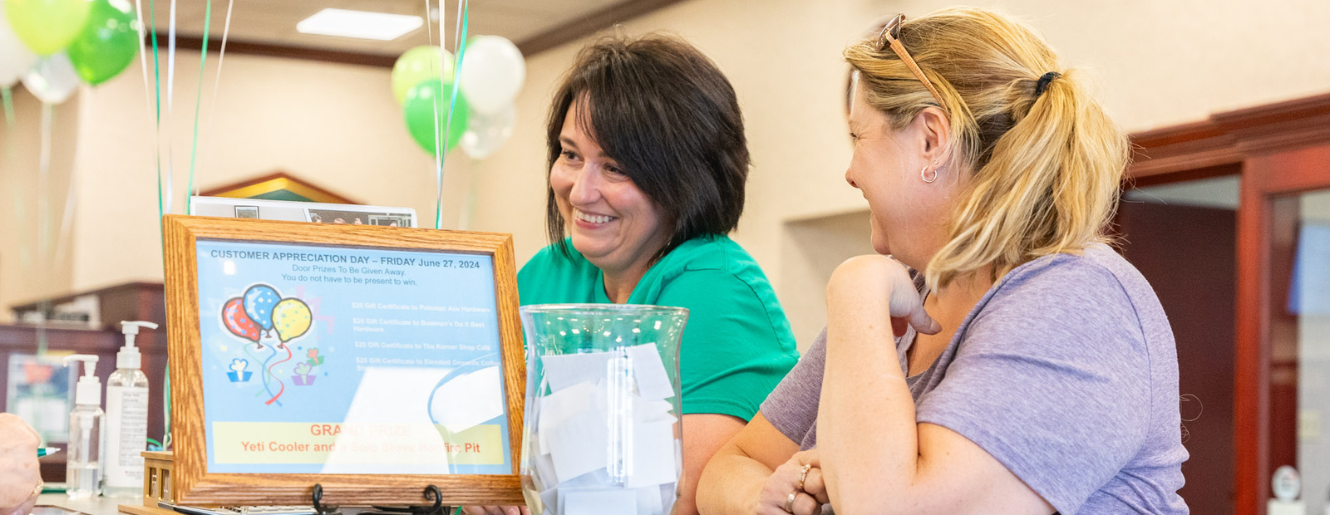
(126, 419)
(83, 472)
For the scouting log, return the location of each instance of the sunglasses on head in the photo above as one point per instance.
(890, 38)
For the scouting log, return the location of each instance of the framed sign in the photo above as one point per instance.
(374, 361)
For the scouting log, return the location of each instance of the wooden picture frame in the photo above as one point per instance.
(193, 484)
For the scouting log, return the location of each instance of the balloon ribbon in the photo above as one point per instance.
(157, 80)
(280, 384)
(264, 375)
(9, 106)
(439, 146)
(194, 145)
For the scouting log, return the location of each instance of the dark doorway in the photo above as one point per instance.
(1182, 237)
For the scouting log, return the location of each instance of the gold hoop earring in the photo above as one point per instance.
(923, 174)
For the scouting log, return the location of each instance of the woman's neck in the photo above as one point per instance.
(620, 281)
(619, 284)
(964, 292)
(954, 301)
(949, 306)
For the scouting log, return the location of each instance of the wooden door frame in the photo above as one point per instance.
(1257, 144)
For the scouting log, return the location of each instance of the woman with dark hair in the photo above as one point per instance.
(647, 163)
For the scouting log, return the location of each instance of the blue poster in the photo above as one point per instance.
(353, 360)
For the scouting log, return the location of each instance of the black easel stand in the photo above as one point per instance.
(431, 492)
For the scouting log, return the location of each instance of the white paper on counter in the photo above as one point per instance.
(653, 455)
(598, 501)
(653, 382)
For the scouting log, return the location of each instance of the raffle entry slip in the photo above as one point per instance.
(348, 360)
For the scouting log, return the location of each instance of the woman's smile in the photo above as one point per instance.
(593, 221)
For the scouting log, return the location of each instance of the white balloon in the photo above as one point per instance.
(485, 133)
(15, 58)
(53, 79)
(492, 73)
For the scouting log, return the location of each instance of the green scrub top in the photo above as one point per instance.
(737, 345)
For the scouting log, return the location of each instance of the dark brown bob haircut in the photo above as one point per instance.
(669, 118)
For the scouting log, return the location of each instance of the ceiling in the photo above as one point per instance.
(273, 22)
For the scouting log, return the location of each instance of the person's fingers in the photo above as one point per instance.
(924, 323)
(511, 510)
(25, 433)
(808, 457)
(805, 504)
(816, 485)
(906, 304)
(473, 510)
(26, 507)
(776, 491)
(36, 437)
(494, 510)
(525, 510)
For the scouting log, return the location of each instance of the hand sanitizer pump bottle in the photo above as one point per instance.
(126, 418)
(83, 468)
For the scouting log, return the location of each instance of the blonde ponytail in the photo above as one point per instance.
(1043, 169)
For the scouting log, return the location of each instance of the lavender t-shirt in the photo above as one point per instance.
(1065, 371)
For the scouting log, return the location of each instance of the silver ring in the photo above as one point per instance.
(803, 475)
(789, 502)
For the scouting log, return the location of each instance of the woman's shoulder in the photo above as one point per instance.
(715, 272)
(556, 274)
(1068, 299)
(554, 256)
(714, 252)
(1096, 274)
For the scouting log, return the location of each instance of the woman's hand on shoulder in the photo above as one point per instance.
(878, 283)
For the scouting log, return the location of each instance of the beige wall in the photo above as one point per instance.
(31, 208)
(335, 125)
(810, 251)
(1157, 63)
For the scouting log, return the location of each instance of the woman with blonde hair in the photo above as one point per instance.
(1033, 369)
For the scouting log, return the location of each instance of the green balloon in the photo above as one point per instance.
(107, 44)
(47, 26)
(420, 109)
(418, 65)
